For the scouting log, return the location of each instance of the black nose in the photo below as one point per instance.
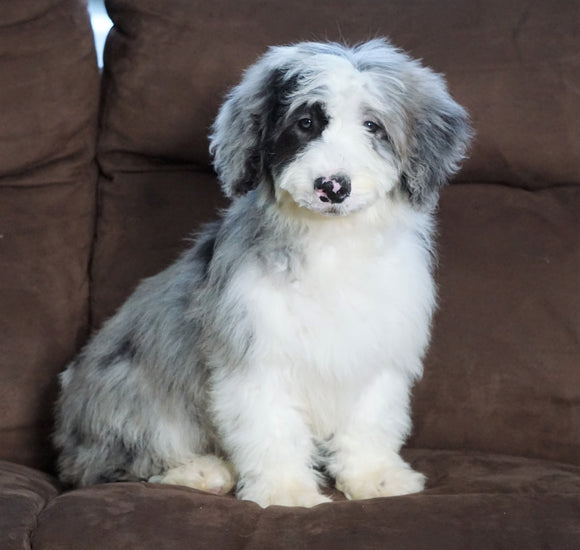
(332, 189)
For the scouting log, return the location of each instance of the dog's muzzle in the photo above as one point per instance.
(332, 189)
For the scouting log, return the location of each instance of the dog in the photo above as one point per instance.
(281, 348)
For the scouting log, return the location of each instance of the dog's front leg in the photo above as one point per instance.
(266, 438)
(365, 458)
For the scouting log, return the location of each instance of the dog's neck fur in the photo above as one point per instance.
(297, 236)
(381, 219)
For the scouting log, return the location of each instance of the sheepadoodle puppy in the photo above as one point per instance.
(282, 347)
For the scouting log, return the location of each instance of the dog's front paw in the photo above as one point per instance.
(207, 473)
(385, 480)
(287, 494)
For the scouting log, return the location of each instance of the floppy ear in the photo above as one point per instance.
(236, 140)
(440, 134)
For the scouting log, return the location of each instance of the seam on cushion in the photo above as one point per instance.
(44, 185)
(510, 185)
(34, 526)
(35, 17)
(97, 209)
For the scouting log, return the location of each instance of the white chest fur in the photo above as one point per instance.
(350, 307)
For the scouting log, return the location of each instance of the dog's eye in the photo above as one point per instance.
(305, 123)
(371, 126)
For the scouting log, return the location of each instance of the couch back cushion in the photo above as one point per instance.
(49, 87)
(502, 372)
(514, 65)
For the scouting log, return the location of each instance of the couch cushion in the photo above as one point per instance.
(502, 372)
(23, 495)
(515, 66)
(145, 219)
(507, 337)
(48, 92)
(167, 67)
(49, 99)
(472, 501)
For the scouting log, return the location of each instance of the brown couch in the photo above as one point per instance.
(102, 179)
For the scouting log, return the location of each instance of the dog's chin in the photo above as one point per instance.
(313, 206)
(335, 210)
(341, 210)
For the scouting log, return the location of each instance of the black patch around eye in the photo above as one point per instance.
(292, 134)
(317, 118)
(305, 124)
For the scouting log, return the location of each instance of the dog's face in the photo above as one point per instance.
(334, 130)
(331, 153)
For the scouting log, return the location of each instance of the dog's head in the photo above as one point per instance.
(335, 129)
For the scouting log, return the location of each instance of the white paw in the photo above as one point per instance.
(207, 473)
(282, 495)
(386, 480)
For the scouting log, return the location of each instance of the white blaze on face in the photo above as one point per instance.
(345, 147)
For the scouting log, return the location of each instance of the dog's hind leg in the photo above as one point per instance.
(204, 472)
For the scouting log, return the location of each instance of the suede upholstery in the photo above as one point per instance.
(103, 179)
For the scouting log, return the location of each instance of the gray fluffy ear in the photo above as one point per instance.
(440, 134)
(236, 140)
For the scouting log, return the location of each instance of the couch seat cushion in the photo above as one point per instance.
(24, 493)
(473, 500)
